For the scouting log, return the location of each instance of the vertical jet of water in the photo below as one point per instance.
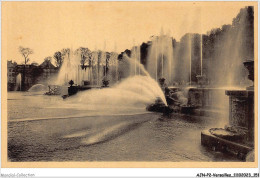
(133, 65)
(102, 64)
(152, 60)
(116, 63)
(76, 72)
(134, 56)
(190, 55)
(72, 69)
(18, 82)
(97, 55)
(116, 66)
(80, 73)
(117, 73)
(160, 59)
(169, 58)
(20, 78)
(78, 76)
(88, 69)
(156, 53)
(161, 53)
(139, 58)
(92, 65)
(201, 44)
(104, 58)
(63, 74)
(94, 60)
(91, 61)
(68, 66)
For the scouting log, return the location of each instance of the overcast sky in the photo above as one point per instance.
(47, 27)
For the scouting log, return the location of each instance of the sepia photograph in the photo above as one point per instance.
(129, 84)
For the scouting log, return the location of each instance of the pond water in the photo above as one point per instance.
(41, 128)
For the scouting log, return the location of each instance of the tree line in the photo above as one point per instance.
(87, 57)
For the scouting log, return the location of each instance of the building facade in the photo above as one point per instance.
(11, 75)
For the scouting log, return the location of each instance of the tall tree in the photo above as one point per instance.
(25, 52)
(58, 59)
(65, 52)
(85, 55)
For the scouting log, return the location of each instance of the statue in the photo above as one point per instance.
(71, 82)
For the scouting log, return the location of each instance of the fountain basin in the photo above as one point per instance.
(231, 135)
(216, 143)
(72, 90)
(188, 109)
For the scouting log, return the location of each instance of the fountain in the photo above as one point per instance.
(143, 72)
(113, 68)
(237, 137)
(143, 87)
(87, 73)
(206, 58)
(104, 67)
(18, 82)
(136, 54)
(73, 69)
(135, 92)
(224, 71)
(160, 59)
(38, 88)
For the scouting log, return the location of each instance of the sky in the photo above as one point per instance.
(47, 27)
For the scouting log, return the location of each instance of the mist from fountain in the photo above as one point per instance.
(38, 88)
(133, 92)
